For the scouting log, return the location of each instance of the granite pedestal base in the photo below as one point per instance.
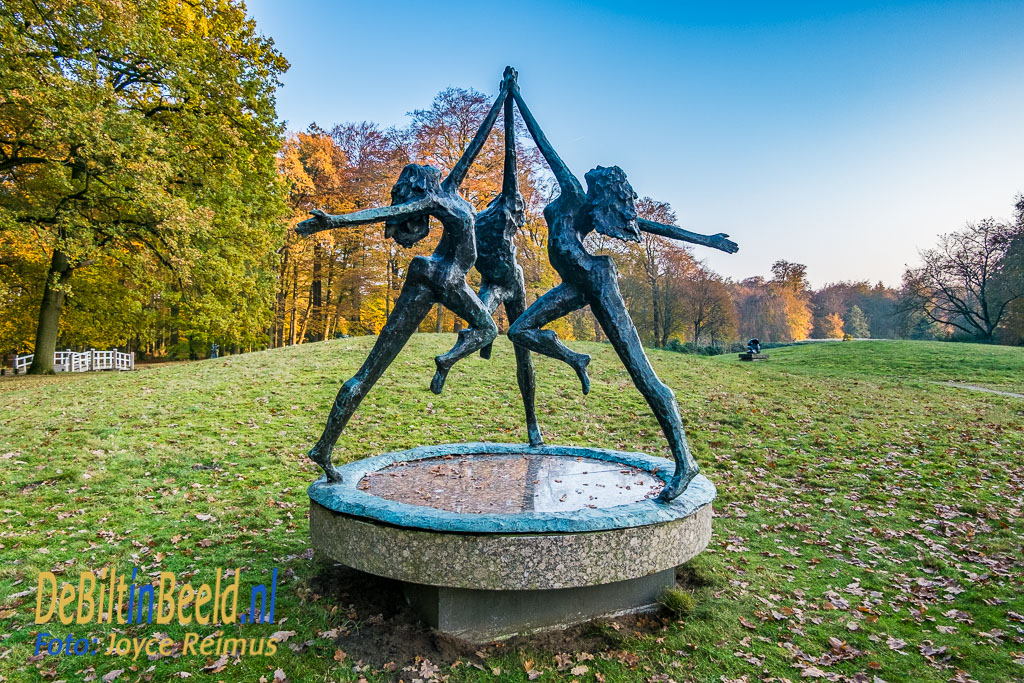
(480, 615)
(494, 540)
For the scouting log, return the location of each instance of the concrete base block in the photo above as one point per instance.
(484, 615)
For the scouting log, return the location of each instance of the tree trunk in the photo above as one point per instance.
(49, 314)
(440, 318)
(316, 289)
(174, 329)
(656, 310)
(328, 293)
(305, 322)
(281, 305)
(295, 294)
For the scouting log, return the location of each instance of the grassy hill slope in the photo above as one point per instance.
(869, 520)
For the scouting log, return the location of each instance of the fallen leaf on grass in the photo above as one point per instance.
(217, 666)
(112, 676)
(281, 636)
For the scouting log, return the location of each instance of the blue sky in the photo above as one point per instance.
(845, 136)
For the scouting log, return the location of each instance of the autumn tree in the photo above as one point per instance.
(876, 302)
(760, 311)
(707, 306)
(142, 132)
(831, 327)
(776, 309)
(791, 286)
(347, 280)
(440, 133)
(970, 280)
(652, 271)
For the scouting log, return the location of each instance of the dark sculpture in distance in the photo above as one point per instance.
(607, 206)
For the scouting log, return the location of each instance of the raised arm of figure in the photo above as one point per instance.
(458, 174)
(325, 221)
(510, 176)
(718, 241)
(566, 180)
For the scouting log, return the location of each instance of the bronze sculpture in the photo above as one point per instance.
(608, 207)
(418, 194)
(501, 275)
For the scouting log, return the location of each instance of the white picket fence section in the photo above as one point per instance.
(81, 361)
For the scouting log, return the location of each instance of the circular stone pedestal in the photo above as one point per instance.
(491, 540)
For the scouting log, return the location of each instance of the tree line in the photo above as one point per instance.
(148, 198)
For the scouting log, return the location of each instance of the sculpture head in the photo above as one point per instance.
(611, 203)
(415, 182)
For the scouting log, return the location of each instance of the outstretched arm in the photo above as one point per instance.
(718, 241)
(325, 221)
(458, 174)
(566, 180)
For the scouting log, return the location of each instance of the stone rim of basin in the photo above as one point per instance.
(353, 496)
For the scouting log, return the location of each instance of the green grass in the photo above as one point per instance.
(998, 367)
(867, 517)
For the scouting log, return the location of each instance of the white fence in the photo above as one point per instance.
(82, 361)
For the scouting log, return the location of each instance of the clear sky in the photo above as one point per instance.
(842, 135)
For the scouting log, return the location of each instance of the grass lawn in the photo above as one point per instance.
(870, 522)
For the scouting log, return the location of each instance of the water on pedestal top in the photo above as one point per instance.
(507, 484)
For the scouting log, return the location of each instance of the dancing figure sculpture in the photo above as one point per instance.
(418, 194)
(501, 275)
(608, 207)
